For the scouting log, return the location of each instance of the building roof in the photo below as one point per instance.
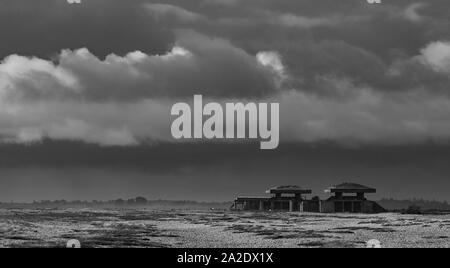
(252, 198)
(348, 187)
(288, 189)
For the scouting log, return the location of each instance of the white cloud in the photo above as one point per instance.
(437, 55)
(38, 76)
(291, 20)
(102, 123)
(74, 1)
(123, 100)
(196, 65)
(411, 12)
(364, 116)
(272, 60)
(221, 2)
(163, 11)
(120, 100)
(367, 117)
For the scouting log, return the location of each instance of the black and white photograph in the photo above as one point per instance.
(226, 124)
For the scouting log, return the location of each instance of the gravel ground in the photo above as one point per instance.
(185, 228)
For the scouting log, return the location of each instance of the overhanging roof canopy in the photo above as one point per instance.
(350, 188)
(288, 189)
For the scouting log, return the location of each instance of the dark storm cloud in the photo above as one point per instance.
(180, 158)
(341, 70)
(350, 39)
(217, 171)
(197, 64)
(43, 28)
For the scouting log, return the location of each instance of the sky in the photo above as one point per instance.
(86, 89)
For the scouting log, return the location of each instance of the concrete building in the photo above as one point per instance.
(350, 198)
(347, 198)
(283, 198)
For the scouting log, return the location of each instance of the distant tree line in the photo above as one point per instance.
(131, 202)
(411, 205)
(414, 206)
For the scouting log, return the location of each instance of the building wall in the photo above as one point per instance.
(310, 206)
(251, 205)
(328, 207)
(367, 207)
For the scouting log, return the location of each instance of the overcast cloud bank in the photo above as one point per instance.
(332, 80)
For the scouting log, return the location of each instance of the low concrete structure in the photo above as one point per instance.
(284, 198)
(353, 203)
(291, 198)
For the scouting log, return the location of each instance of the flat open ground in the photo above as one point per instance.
(189, 228)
